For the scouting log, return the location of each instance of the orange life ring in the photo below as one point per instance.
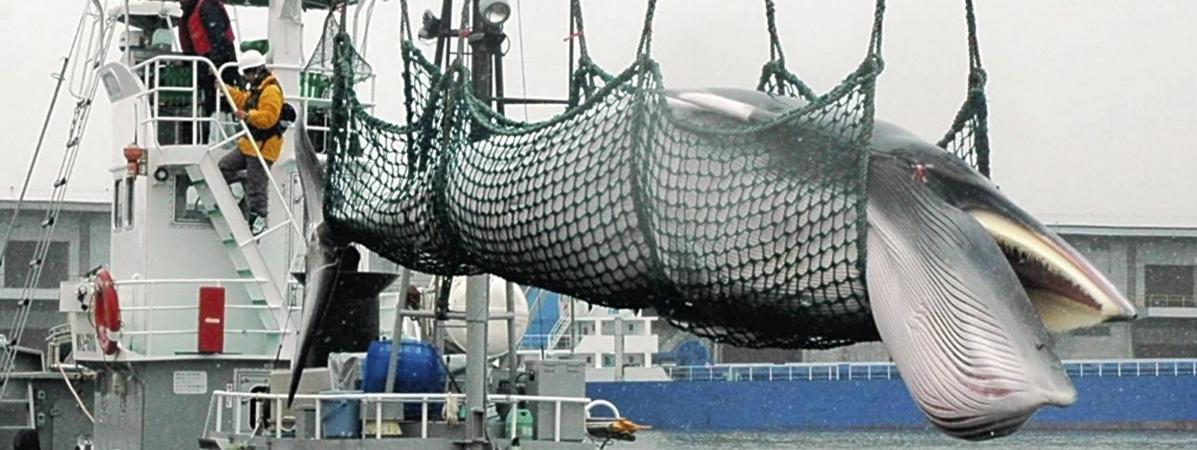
(107, 312)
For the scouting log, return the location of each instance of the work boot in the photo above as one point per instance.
(257, 224)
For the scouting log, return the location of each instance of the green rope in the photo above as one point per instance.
(644, 50)
(576, 7)
(968, 137)
(775, 53)
(404, 23)
(878, 21)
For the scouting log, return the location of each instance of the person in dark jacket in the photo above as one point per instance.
(205, 30)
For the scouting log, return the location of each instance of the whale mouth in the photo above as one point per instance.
(1066, 290)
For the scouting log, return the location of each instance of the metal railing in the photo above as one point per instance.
(1171, 301)
(214, 422)
(887, 371)
(154, 91)
(145, 330)
(561, 330)
(309, 104)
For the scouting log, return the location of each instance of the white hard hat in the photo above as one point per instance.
(250, 60)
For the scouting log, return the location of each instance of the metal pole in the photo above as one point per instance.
(442, 313)
(573, 325)
(573, 29)
(618, 348)
(443, 33)
(477, 309)
(512, 357)
(482, 63)
(478, 287)
(498, 71)
(397, 328)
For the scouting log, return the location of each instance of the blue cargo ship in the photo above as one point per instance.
(1125, 394)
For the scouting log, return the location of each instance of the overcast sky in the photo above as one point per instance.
(1092, 103)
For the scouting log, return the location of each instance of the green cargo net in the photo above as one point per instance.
(749, 234)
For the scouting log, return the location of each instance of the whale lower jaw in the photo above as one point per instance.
(952, 313)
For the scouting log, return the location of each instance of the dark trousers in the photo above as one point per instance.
(255, 181)
(209, 94)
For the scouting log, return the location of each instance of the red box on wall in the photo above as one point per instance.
(211, 320)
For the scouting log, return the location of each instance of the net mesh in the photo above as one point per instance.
(968, 137)
(751, 234)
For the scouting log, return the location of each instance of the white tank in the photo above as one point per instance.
(496, 329)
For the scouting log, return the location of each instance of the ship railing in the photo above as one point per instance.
(315, 94)
(1170, 301)
(314, 99)
(174, 79)
(536, 342)
(214, 421)
(142, 326)
(561, 330)
(151, 71)
(1132, 368)
(783, 372)
(888, 371)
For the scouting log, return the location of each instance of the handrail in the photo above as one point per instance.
(197, 281)
(559, 330)
(888, 371)
(145, 312)
(191, 307)
(377, 399)
(196, 62)
(1170, 301)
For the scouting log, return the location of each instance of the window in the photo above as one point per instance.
(1169, 286)
(117, 208)
(129, 191)
(55, 267)
(188, 208)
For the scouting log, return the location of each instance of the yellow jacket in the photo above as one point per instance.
(263, 116)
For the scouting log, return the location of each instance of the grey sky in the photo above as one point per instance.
(1091, 102)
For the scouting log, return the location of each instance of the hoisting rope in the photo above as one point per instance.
(8, 352)
(968, 136)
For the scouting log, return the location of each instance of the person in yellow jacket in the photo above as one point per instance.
(259, 107)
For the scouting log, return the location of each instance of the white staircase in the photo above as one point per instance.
(562, 327)
(240, 244)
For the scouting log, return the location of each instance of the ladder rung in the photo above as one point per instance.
(60, 182)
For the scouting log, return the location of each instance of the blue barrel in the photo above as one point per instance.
(419, 370)
(340, 418)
